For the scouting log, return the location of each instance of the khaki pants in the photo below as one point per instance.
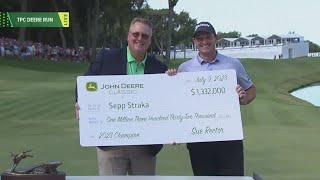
(123, 160)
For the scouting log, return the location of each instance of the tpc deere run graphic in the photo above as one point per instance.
(34, 19)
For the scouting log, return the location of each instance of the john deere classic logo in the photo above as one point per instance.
(92, 86)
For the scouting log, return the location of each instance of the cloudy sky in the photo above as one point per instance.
(263, 17)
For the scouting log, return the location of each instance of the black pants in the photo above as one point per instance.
(223, 158)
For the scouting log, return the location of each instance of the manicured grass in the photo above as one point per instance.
(281, 131)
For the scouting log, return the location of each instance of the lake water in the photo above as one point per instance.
(310, 94)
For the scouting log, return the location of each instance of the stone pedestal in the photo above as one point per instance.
(16, 176)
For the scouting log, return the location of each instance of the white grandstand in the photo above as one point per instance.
(284, 46)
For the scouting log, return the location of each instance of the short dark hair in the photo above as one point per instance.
(141, 20)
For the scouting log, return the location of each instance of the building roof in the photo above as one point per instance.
(281, 36)
(229, 39)
(258, 38)
(242, 39)
(273, 36)
(248, 38)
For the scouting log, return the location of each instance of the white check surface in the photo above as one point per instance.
(159, 109)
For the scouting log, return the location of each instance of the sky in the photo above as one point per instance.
(262, 17)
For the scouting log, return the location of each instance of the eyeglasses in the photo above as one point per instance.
(138, 34)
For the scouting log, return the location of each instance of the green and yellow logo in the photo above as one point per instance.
(34, 19)
(92, 86)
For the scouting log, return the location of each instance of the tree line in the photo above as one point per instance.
(105, 23)
(102, 23)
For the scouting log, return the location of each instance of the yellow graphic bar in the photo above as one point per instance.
(64, 18)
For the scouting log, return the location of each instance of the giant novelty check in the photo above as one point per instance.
(159, 109)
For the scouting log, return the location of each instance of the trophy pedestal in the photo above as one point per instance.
(16, 176)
